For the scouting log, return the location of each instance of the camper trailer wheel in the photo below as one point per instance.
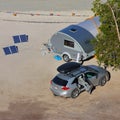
(66, 58)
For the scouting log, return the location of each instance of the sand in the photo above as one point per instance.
(45, 5)
(25, 76)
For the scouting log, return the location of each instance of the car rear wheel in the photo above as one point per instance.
(66, 58)
(54, 94)
(103, 81)
(75, 93)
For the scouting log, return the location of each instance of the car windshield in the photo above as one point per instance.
(60, 81)
(90, 74)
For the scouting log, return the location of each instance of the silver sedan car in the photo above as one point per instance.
(73, 78)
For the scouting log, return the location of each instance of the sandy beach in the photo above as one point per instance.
(25, 76)
(45, 5)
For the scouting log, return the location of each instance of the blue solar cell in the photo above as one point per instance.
(24, 38)
(7, 50)
(16, 39)
(14, 49)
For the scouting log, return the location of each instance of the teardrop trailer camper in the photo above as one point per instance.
(74, 41)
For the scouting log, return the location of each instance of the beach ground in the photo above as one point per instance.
(25, 76)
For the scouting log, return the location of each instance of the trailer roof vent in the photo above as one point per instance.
(73, 30)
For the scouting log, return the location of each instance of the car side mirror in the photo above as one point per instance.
(82, 76)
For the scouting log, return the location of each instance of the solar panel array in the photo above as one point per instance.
(8, 50)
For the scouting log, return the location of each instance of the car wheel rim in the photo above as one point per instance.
(75, 93)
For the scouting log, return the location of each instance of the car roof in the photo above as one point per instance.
(68, 67)
(74, 69)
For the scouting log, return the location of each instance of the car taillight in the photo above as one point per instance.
(65, 88)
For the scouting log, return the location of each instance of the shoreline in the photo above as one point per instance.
(40, 12)
(46, 16)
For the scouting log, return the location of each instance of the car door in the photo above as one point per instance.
(92, 77)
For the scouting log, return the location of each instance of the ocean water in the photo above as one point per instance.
(45, 5)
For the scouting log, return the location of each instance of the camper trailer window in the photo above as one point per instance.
(69, 43)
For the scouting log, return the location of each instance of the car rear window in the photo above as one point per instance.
(60, 81)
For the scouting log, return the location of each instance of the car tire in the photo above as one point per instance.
(75, 93)
(103, 81)
(54, 94)
(66, 58)
(108, 76)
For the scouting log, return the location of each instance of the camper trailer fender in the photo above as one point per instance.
(65, 55)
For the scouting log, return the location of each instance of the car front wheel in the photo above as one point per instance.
(108, 76)
(75, 93)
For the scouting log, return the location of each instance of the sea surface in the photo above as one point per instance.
(45, 5)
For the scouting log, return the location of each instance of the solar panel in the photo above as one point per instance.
(24, 38)
(6, 50)
(16, 39)
(20, 38)
(10, 50)
(14, 49)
